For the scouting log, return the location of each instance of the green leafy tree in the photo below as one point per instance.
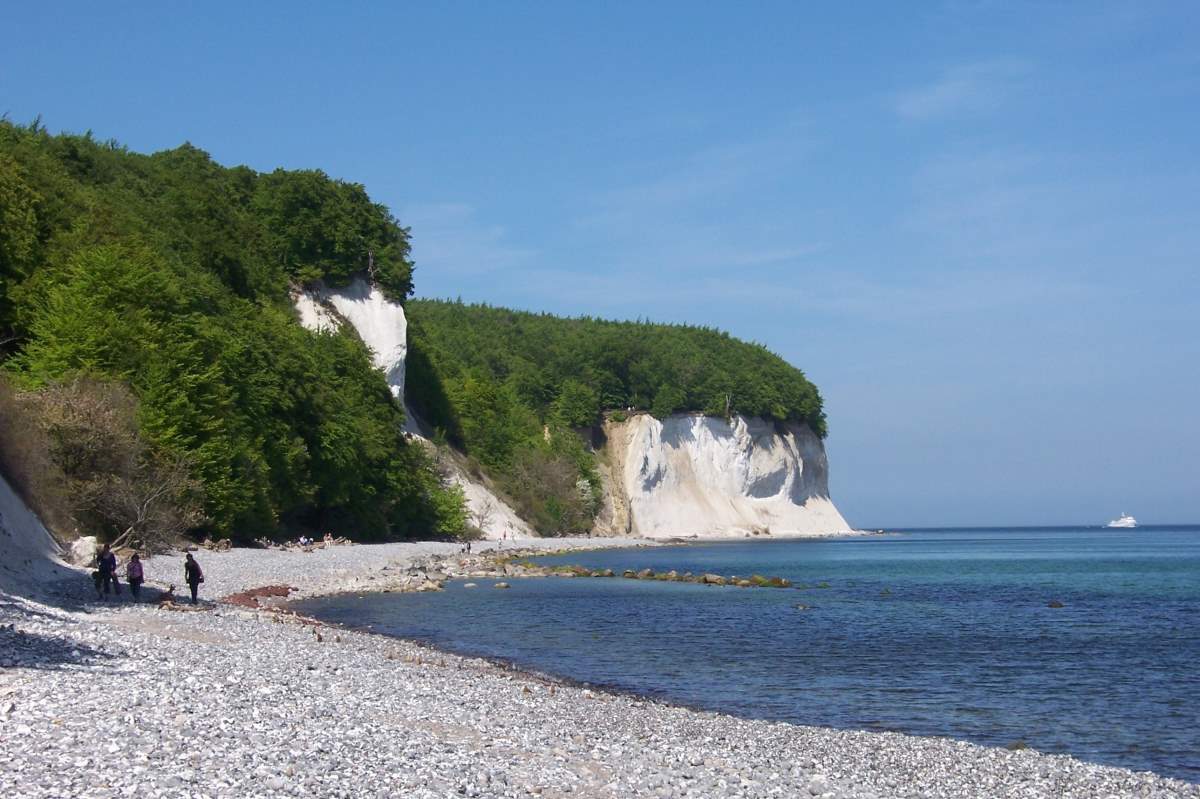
(577, 405)
(667, 400)
(18, 237)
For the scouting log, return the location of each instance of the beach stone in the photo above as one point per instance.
(83, 551)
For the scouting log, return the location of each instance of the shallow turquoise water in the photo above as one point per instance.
(933, 632)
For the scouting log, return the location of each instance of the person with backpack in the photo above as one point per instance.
(134, 576)
(192, 575)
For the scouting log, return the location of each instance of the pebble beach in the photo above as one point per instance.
(113, 699)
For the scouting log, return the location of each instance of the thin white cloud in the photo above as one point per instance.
(673, 228)
(766, 257)
(448, 239)
(825, 294)
(700, 181)
(964, 89)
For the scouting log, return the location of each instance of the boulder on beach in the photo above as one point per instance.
(83, 550)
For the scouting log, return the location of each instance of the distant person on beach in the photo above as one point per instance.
(106, 572)
(134, 576)
(192, 575)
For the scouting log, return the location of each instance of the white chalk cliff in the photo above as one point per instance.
(380, 323)
(692, 475)
(29, 555)
(383, 327)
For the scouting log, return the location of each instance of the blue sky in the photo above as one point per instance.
(975, 225)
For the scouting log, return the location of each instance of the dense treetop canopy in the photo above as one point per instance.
(573, 369)
(256, 232)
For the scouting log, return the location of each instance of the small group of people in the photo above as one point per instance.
(308, 541)
(105, 575)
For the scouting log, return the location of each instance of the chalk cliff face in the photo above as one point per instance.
(383, 327)
(696, 475)
(380, 323)
(30, 556)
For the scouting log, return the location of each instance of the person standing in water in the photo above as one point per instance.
(134, 576)
(192, 575)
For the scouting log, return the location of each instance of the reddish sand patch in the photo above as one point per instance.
(249, 599)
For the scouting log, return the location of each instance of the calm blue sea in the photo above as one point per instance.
(930, 632)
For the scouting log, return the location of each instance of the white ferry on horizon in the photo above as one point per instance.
(1125, 521)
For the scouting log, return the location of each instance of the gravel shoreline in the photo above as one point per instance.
(122, 700)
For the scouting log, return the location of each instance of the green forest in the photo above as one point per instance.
(514, 389)
(169, 275)
(148, 346)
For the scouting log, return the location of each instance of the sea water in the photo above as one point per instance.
(928, 632)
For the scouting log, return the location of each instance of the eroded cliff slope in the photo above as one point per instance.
(383, 327)
(29, 555)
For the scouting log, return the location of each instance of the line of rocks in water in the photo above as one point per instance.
(433, 572)
(753, 581)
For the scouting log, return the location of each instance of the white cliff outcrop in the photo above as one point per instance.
(487, 511)
(383, 327)
(380, 323)
(692, 475)
(29, 555)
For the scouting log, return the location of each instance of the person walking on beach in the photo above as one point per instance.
(106, 569)
(134, 576)
(192, 575)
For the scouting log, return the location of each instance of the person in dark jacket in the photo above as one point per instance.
(106, 569)
(192, 575)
